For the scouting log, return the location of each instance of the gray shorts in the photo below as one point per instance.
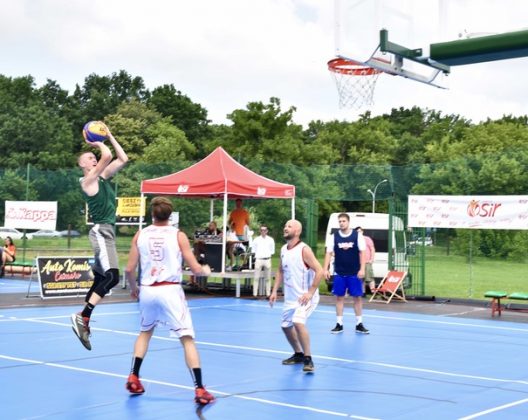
(102, 238)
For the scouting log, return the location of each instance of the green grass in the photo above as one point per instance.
(62, 247)
(454, 276)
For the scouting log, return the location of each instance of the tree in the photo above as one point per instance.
(264, 132)
(15, 93)
(142, 131)
(488, 159)
(168, 143)
(14, 187)
(100, 96)
(34, 135)
(53, 97)
(61, 185)
(183, 113)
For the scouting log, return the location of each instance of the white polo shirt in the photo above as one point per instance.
(263, 247)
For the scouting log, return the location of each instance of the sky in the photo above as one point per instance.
(224, 54)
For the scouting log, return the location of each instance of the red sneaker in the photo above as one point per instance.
(134, 385)
(203, 397)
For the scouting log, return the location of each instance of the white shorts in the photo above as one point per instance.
(297, 314)
(165, 305)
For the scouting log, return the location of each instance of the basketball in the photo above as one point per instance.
(95, 131)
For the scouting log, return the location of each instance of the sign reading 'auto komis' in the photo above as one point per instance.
(469, 212)
(64, 276)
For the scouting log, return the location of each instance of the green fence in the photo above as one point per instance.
(447, 262)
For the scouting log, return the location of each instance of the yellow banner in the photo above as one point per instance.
(130, 207)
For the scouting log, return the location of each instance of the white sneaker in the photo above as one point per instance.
(81, 329)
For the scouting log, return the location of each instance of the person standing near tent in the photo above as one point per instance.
(101, 200)
(239, 217)
(159, 250)
(347, 246)
(300, 273)
(264, 248)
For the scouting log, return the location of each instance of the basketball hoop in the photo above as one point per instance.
(355, 82)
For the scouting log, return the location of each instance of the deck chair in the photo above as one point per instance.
(389, 287)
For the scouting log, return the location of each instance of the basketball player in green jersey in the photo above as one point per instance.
(101, 200)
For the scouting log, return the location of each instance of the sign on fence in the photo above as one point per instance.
(469, 211)
(31, 214)
(64, 276)
(129, 210)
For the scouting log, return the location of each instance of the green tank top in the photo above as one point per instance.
(102, 206)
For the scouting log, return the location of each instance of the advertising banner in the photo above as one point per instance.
(128, 211)
(469, 211)
(31, 215)
(64, 276)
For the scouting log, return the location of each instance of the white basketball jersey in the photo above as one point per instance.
(159, 255)
(297, 277)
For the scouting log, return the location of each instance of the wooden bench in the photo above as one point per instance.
(496, 296)
(518, 296)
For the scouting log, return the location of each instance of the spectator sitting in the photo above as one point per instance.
(8, 254)
(233, 247)
(199, 245)
(212, 229)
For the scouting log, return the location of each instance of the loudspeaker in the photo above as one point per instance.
(213, 256)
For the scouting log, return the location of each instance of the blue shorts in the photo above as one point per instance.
(353, 284)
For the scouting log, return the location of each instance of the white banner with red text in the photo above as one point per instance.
(469, 211)
(31, 214)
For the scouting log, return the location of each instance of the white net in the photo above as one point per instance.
(355, 83)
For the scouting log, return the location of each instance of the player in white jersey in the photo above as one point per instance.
(159, 250)
(300, 273)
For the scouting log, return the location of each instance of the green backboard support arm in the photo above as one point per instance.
(409, 54)
(481, 49)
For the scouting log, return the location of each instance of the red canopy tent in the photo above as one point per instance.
(215, 176)
(219, 176)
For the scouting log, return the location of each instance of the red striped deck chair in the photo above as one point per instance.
(391, 287)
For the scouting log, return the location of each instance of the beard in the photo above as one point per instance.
(288, 236)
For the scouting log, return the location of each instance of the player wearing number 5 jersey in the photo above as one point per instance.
(159, 250)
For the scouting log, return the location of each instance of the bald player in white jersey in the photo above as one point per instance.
(159, 249)
(300, 273)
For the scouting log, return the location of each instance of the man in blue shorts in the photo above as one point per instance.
(347, 246)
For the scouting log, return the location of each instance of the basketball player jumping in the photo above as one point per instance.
(101, 200)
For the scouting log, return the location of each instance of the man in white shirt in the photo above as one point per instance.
(160, 250)
(263, 247)
(300, 274)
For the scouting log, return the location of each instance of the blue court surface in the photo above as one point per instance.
(410, 367)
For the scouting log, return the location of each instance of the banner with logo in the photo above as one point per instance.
(64, 276)
(129, 210)
(468, 211)
(31, 214)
